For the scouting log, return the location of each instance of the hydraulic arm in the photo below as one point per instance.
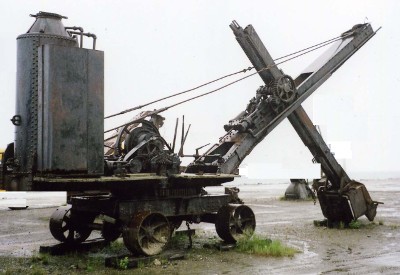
(341, 199)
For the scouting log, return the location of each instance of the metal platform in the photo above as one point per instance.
(128, 181)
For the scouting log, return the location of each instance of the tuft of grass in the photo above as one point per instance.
(178, 240)
(141, 264)
(38, 271)
(92, 264)
(123, 263)
(380, 222)
(42, 258)
(164, 261)
(264, 247)
(115, 247)
(354, 224)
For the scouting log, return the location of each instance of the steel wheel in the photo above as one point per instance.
(235, 222)
(110, 232)
(66, 229)
(148, 233)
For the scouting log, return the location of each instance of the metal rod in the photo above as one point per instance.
(176, 131)
(183, 142)
(183, 130)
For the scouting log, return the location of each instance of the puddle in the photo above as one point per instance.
(304, 247)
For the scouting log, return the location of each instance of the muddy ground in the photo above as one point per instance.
(373, 248)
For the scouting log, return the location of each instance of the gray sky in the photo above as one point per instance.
(155, 48)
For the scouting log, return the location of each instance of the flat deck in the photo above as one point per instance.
(129, 181)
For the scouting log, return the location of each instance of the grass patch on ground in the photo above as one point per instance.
(123, 263)
(354, 224)
(178, 240)
(115, 247)
(265, 247)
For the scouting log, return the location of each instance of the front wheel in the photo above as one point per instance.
(235, 222)
(68, 228)
(147, 234)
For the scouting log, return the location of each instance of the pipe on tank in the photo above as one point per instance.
(88, 34)
(80, 29)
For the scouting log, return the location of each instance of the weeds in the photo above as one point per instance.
(93, 264)
(141, 264)
(164, 261)
(123, 263)
(38, 271)
(41, 262)
(41, 258)
(115, 247)
(264, 247)
(178, 239)
(354, 224)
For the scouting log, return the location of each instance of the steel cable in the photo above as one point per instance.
(180, 93)
(299, 53)
(220, 78)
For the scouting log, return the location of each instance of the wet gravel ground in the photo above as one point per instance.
(373, 248)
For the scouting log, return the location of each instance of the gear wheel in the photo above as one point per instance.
(284, 88)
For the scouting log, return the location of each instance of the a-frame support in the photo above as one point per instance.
(260, 58)
(341, 199)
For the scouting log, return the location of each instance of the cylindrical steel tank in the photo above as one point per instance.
(47, 29)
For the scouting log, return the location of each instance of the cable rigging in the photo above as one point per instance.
(296, 55)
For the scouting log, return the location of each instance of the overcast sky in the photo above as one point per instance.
(155, 48)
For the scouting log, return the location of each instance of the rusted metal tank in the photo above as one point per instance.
(47, 29)
(59, 105)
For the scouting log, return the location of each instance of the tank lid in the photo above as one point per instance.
(43, 14)
(48, 23)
